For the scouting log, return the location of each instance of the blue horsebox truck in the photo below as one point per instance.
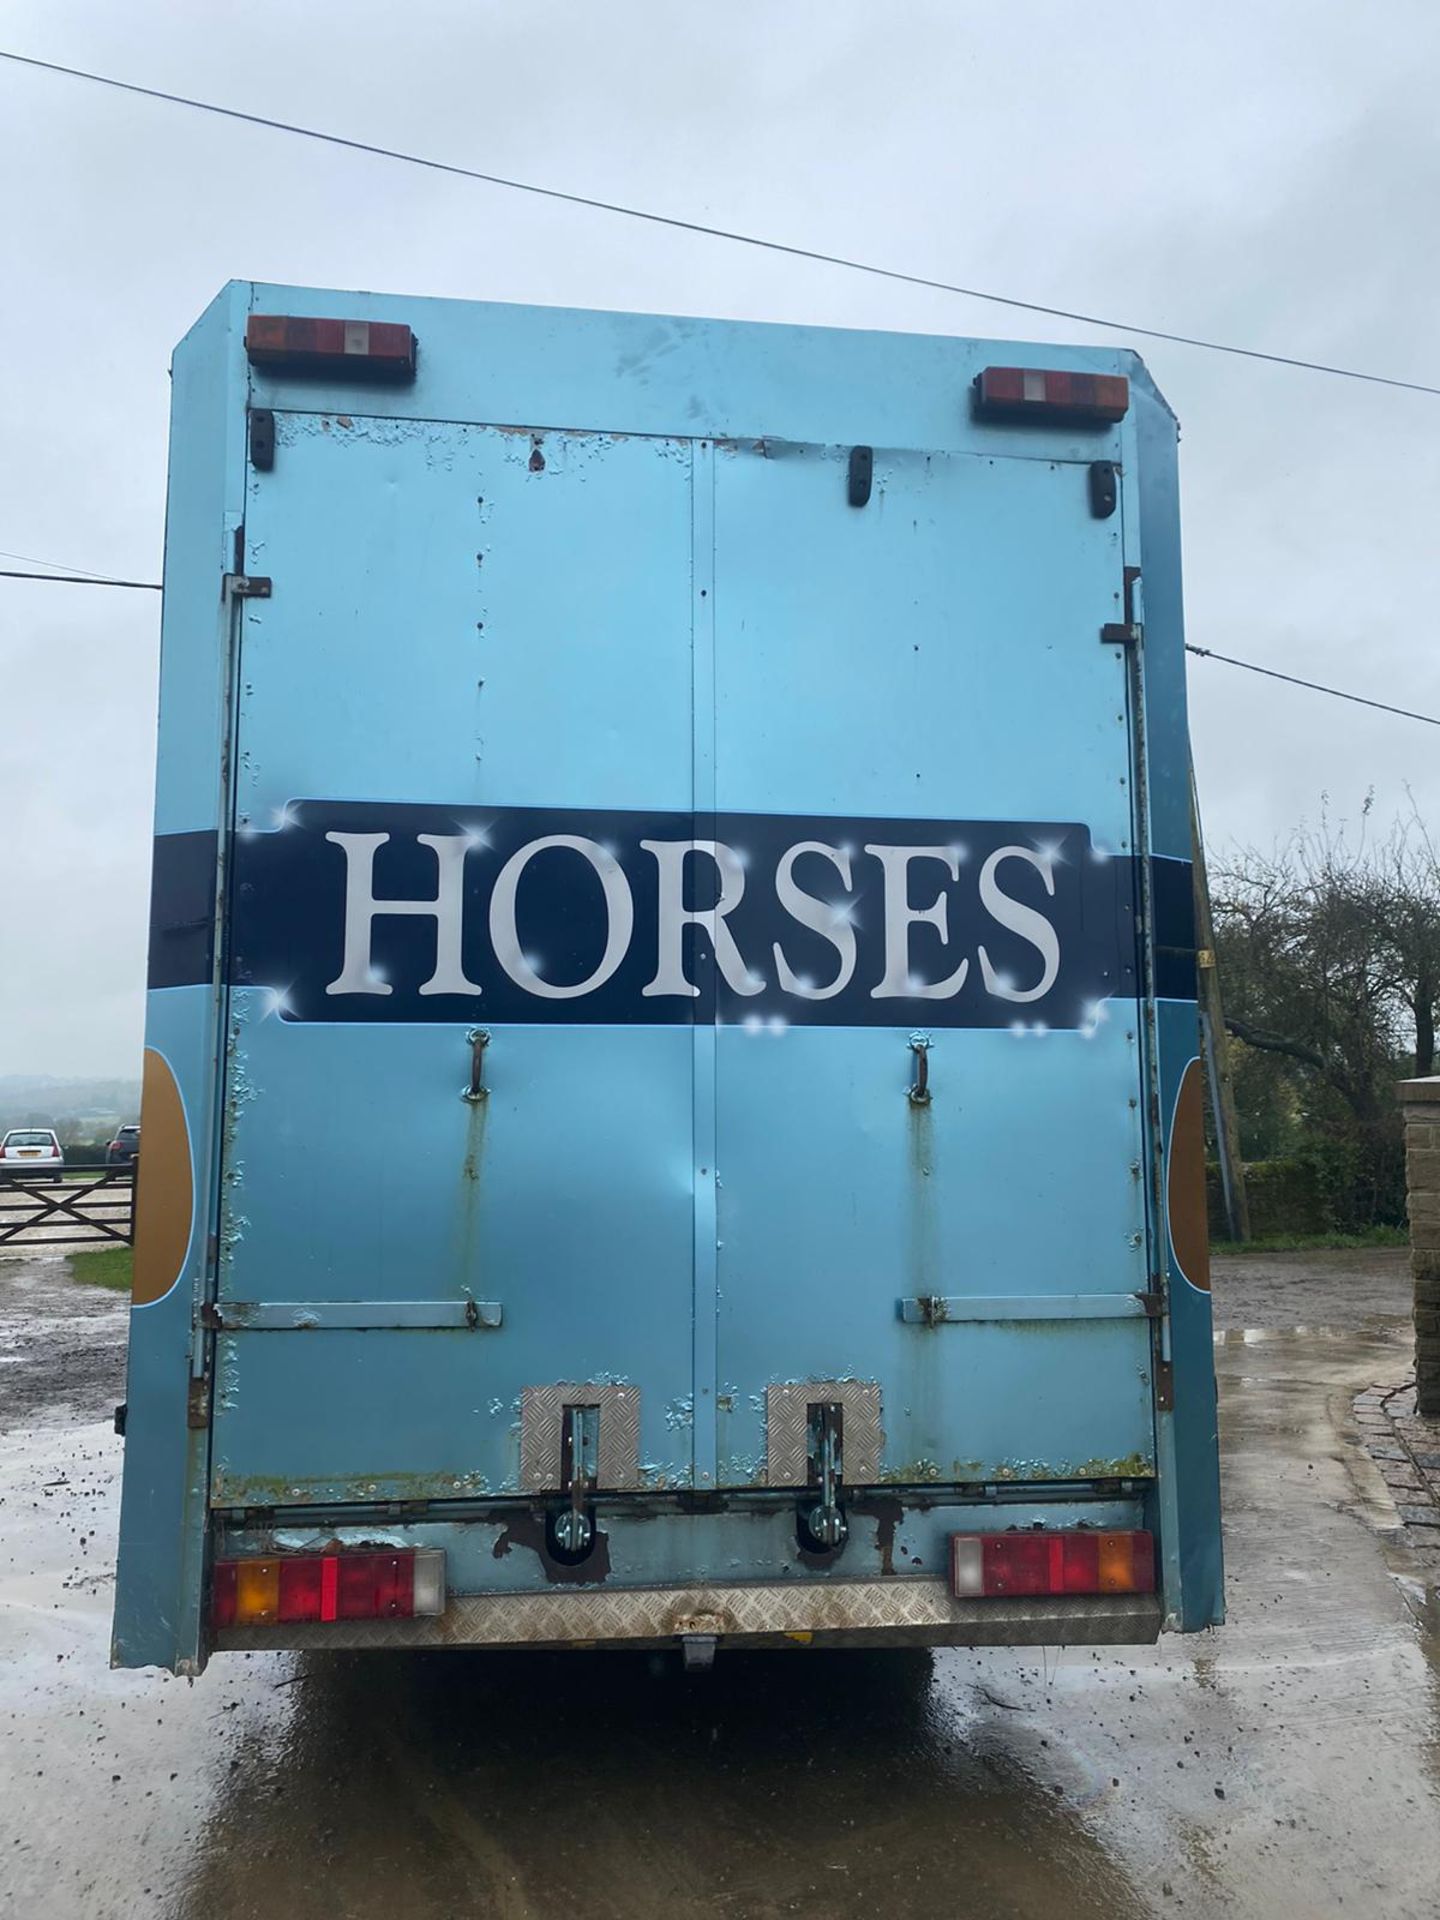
(672, 1112)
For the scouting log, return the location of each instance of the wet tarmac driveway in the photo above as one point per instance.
(1288, 1765)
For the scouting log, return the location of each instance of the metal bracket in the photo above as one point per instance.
(579, 1469)
(787, 1430)
(197, 1411)
(360, 1316)
(1165, 1386)
(247, 586)
(936, 1309)
(543, 1412)
(1104, 488)
(861, 475)
(262, 439)
(825, 1522)
(1127, 632)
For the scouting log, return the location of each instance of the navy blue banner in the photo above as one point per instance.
(375, 912)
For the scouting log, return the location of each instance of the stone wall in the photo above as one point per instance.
(1420, 1101)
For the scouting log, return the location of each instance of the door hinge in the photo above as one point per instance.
(247, 586)
(197, 1413)
(1165, 1385)
(1127, 632)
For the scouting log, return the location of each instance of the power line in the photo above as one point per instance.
(81, 580)
(1208, 653)
(55, 566)
(792, 251)
(78, 579)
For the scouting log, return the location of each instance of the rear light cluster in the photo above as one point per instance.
(354, 349)
(283, 1588)
(1022, 393)
(1040, 1562)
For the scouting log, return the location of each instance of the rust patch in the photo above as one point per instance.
(1185, 1181)
(528, 1530)
(887, 1515)
(164, 1186)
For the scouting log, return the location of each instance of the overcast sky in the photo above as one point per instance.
(1260, 172)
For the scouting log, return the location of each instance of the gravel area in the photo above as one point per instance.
(1352, 1290)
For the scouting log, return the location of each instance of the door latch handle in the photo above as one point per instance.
(477, 1091)
(920, 1045)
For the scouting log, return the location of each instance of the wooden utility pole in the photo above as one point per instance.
(1217, 1041)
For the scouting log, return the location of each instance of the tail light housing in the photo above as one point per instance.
(1041, 394)
(350, 349)
(1048, 1561)
(275, 1590)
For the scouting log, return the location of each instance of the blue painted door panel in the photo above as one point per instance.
(934, 655)
(464, 617)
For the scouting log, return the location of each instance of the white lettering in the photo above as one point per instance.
(357, 974)
(898, 982)
(819, 917)
(1030, 924)
(619, 913)
(675, 916)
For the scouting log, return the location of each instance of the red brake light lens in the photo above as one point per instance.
(1037, 393)
(1052, 1561)
(353, 349)
(395, 1584)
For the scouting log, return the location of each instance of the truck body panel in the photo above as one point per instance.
(640, 939)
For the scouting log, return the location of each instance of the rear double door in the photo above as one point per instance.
(703, 1178)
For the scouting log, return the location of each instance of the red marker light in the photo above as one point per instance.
(1052, 1561)
(401, 1583)
(350, 349)
(1035, 393)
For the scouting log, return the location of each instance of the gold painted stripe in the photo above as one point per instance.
(165, 1189)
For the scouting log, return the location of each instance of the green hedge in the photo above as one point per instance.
(1286, 1196)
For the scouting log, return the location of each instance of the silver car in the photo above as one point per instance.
(31, 1153)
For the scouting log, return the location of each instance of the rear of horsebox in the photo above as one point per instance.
(671, 1103)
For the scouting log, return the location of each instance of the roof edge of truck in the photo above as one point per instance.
(265, 295)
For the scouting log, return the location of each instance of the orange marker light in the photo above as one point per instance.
(257, 1592)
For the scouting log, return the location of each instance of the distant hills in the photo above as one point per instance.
(78, 1109)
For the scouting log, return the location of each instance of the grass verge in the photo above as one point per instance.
(109, 1267)
(1316, 1242)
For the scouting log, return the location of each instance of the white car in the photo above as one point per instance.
(31, 1153)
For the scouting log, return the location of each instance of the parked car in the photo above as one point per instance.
(124, 1149)
(31, 1153)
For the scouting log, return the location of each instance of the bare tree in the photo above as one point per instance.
(1330, 954)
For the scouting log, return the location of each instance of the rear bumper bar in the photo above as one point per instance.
(854, 1613)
